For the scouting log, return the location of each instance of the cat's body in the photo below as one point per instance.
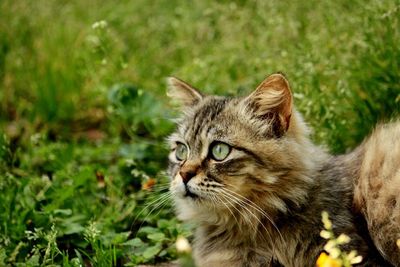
(246, 172)
(377, 189)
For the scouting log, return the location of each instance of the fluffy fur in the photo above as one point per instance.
(262, 204)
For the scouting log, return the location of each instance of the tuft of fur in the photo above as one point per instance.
(262, 204)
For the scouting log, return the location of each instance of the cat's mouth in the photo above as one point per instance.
(190, 194)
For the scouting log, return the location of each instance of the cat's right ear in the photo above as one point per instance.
(273, 100)
(182, 92)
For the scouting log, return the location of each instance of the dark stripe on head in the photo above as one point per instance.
(234, 167)
(250, 153)
(206, 115)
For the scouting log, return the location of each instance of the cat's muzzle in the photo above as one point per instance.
(189, 193)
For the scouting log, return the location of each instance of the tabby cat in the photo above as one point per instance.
(245, 171)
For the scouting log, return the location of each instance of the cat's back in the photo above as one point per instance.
(377, 189)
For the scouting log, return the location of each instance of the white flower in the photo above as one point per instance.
(101, 24)
(182, 245)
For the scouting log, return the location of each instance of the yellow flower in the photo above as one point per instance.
(325, 234)
(325, 260)
(325, 220)
(343, 239)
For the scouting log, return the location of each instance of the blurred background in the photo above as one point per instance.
(84, 116)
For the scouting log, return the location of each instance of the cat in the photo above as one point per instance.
(245, 171)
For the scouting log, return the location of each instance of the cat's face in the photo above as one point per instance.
(229, 150)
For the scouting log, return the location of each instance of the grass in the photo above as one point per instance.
(83, 112)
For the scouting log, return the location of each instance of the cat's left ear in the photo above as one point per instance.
(182, 92)
(273, 99)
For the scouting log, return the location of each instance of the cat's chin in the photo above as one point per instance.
(198, 210)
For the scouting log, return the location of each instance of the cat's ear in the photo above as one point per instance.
(182, 92)
(273, 99)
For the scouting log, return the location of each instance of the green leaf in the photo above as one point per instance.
(67, 212)
(156, 237)
(150, 252)
(163, 224)
(148, 230)
(136, 242)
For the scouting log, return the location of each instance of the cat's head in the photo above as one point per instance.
(227, 152)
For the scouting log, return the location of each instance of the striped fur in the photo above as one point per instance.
(377, 189)
(261, 206)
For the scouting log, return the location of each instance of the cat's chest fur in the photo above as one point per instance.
(296, 243)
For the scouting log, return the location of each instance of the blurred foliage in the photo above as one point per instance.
(83, 112)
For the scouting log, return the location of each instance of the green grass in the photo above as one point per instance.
(83, 112)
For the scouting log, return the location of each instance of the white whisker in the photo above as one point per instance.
(258, 208)
(240, 203)
(161, 199)
(243, 204)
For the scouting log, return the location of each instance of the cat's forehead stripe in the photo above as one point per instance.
(204, 118)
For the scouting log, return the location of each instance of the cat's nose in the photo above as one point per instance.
(187, 175)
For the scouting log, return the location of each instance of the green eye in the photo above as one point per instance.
(220, 151)
(181, 152)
